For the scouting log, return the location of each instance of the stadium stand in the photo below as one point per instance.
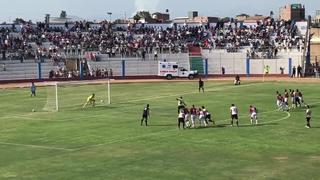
(104, 47)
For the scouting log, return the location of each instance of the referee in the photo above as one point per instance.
(145, 115)
(201, 85)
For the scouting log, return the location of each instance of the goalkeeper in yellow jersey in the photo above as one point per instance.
(90, 100)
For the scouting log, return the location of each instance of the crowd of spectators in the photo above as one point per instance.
(264, 40)
(40, 42)
(62, 72)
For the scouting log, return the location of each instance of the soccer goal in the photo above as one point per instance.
(72, 95)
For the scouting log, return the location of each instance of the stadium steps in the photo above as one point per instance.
(25, 71)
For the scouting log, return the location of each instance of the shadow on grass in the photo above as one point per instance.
(259, 125)
(162, 125)
(89, 108)
(235, 126)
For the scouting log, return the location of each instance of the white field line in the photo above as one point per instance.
(277, 120)
(35, 146)
(114, 141)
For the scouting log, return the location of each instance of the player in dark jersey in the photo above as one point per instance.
(301, 98)
(145, 115)
(296, 98)
(207, 116)
(201, 85)
(237, 80)
(33, 89)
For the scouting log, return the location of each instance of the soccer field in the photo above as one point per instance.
(107, 141)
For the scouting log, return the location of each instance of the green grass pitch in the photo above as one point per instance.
(107, 142)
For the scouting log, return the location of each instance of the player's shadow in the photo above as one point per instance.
(209, 127)
(235, 126)
(162, 125)
(259, 125)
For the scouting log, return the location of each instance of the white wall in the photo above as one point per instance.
(235, 63)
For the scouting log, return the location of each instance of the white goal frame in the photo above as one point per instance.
(57, 83)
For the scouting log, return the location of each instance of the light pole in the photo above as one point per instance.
(110, 14)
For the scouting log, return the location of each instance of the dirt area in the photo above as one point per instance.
(266, 79)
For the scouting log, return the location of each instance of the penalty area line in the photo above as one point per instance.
(36, 146)
(115, 141)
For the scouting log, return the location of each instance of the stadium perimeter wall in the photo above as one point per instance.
(233, 63)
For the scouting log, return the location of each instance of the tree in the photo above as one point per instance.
(243, 14)
(19, 21)
(136, 18)
(142, 15)
(63, 14)
(271, 13)
(225, 19)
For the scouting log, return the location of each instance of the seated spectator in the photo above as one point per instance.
(51, 74)
(237, 80)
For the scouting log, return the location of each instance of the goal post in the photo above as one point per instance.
(57, 101)
(109, 92)
(71, 95)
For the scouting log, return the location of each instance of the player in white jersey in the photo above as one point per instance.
(308, 117)
(234, 114)
(253, 114)
(186, 117)
(202, 117)
(292, 98)
(193, 115)
(181, 119)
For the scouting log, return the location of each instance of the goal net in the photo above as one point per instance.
(73, 95)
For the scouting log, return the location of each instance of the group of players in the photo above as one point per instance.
(296, 101)
(188, 117)
(295, 96)
(204, 116)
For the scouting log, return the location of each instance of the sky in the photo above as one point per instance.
(35, 10)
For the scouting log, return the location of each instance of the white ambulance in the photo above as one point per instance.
(172, 69)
